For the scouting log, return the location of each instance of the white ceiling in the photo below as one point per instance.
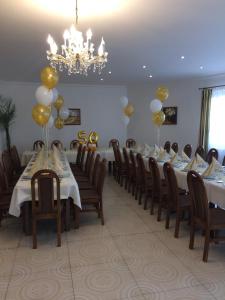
(155, 33)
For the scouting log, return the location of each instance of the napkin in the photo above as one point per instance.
(172, 153)
(215, 166)
(185, 157)
(157, 148)
(162, 154)
(192, 165)
(146, 150)
(200, 161)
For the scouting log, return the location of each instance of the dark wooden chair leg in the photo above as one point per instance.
(206, 246)
(177, 225)
(34, 233)
(58, 232)
(167, 218)
(159, 212)
(192, 235)
(77, 216)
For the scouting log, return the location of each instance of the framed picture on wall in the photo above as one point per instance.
(74, 117)
(171, 115)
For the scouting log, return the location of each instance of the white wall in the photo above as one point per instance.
(100, 111)
(184, 94)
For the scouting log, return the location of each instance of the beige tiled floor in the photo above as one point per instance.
(131, 257)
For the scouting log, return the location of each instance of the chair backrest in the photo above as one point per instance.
(7, 165)
(126, 159)
(119, 155)
(141, 169)
(87, 160)
(133, 163)
(44, 198)
(90, 165)
(95, 170)
(211, 153)
(167, 146)
(79, 154)
(156, 180)
(58, 144)
(130, 143)
(114, 142)
(15, 158)
(83, 152)
(172, 185)
(175, 147)
(200, 151)
(38, 144)
(115, 151)
(3, 181)
(198, 195)
(74, 144)
(188, 150)
(89, 144)
(101, 176)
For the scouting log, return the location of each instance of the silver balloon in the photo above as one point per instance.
(64, 113)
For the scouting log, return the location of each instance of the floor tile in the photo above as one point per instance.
(104, 282)
(217, 289)
(93, 251)
(193, 293)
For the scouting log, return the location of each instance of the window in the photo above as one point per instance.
(217, 120)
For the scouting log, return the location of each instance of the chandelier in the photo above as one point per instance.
(77, 56)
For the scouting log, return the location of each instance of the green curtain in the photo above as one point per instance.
(205, 117)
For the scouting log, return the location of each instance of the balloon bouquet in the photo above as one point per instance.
(158, 116)
(46, 95)
(128, 110)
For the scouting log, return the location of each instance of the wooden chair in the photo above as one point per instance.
(5, 195)
(200, 151)
(38, 144)
(180, 203)
(175, 147)
(130, 171)
(212, 153)
(135, 174)
(16, 160)
(57, 144)
(87, 182)
(91, 200)
(188, 150)
(74, 144)
(167, 146)
(209, 219)
(11, 176)
(78, 167)
(130, 143)
(159, 188)
(122, 171)
(45, 203)
(83, 172)
(144, 183)
(114, 142)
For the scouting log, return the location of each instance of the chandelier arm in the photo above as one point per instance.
(76, 13)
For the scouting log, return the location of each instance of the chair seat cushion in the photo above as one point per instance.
(85, 185)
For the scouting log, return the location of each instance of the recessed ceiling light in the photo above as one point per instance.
(182, 57)
(144, 67)
(201, 67)
(110, 72)
(150, 76)
(101, 79)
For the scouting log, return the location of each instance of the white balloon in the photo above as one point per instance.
(55, 94)
(124, 101)
(44, 95)
(155, 105)
(126, 120)
(50, 122)
(64, 113)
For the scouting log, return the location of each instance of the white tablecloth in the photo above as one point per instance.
(22, 191)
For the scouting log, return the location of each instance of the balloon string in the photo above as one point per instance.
(158, 136)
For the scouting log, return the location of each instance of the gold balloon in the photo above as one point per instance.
(58, 102)
(128, 110)
(93, 137)
(49, 77)
(41, 114)
(158, 118)
(82, 137)
(162, 93)
(58, 123)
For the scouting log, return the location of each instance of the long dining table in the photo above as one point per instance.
(21, 197)
(215, 185)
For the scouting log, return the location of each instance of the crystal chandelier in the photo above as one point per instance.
(77, 56)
